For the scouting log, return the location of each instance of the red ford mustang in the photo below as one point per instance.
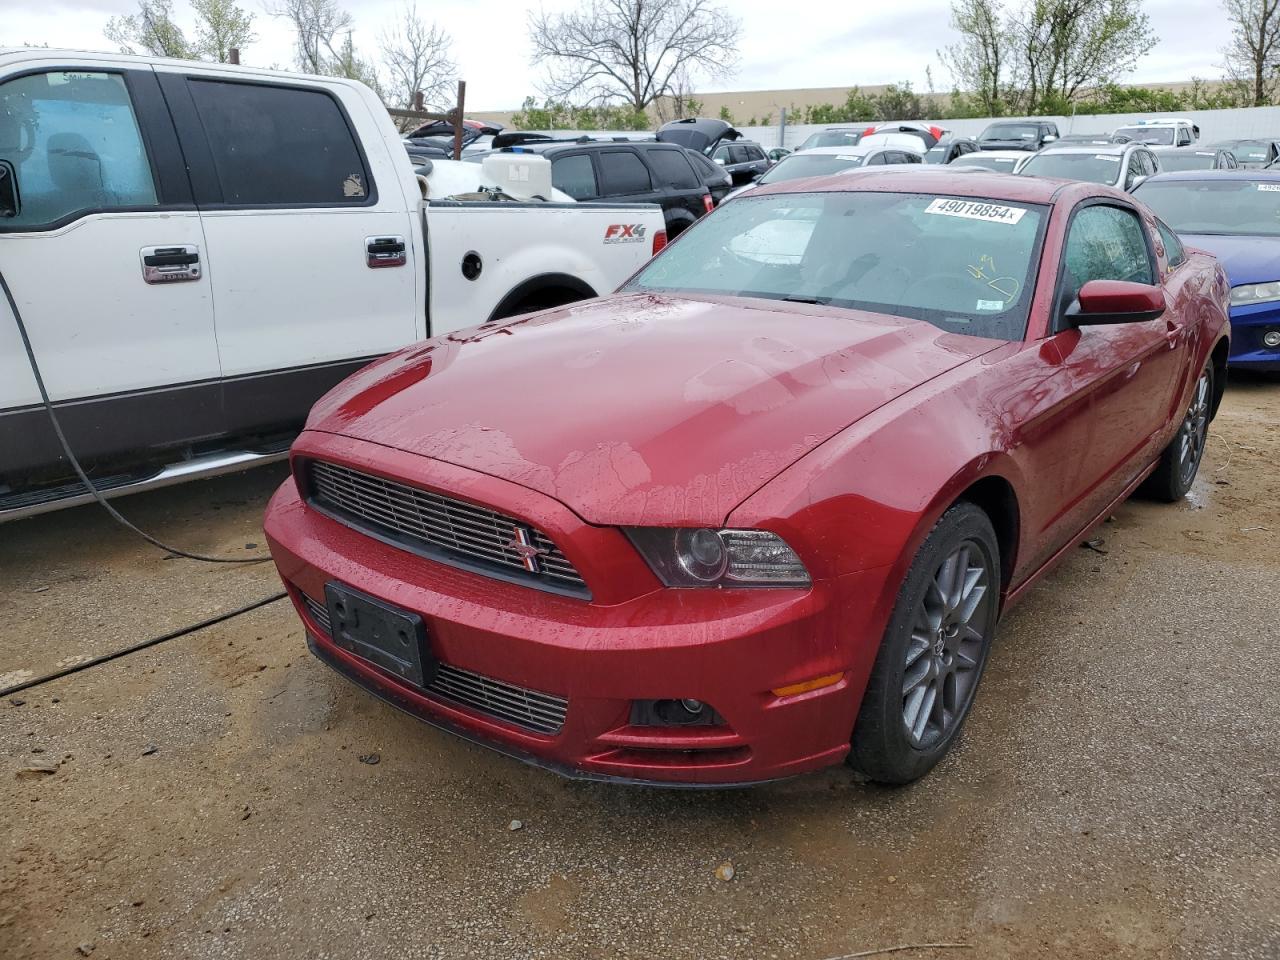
(760, 511)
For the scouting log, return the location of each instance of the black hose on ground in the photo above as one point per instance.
(143, 645)
(75, 463)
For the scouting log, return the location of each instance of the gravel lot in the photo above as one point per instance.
(1115, 794)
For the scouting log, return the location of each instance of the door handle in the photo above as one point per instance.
(170, 264)
(385, 252)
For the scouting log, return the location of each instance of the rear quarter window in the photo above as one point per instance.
(672, 168)
(250, 127)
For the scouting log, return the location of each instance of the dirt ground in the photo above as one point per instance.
(1115, 793)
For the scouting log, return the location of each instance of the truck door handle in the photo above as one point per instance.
(170, 264)
(385, 252)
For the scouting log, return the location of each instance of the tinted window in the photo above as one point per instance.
(1105, 243)
(250, 127)
(722, 153)
(704, 166)
(74, 144)
(1173, 252)
(1093, 167)
(755, 154)
(672, 168)
(1011, 131)
(1187, 160)
(622, 172)
(962, 265)
(877, 159)
(575, 176)
(1216, 206)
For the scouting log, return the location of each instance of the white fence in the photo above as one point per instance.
(1237, 124)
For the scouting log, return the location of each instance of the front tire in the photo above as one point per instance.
(1180, 460)
(933, 652)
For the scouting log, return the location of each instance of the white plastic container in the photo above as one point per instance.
(522, 175)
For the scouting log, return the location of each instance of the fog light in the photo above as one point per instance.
(1271, 338)
(673, 713)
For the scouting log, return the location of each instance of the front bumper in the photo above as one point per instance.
(727, 648)
(1248, 326)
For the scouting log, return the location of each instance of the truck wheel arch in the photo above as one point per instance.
(540, 293)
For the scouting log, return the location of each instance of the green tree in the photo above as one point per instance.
(151, 31)
(221, 26)
(725, 115)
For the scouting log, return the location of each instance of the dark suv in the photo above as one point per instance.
(1027, 135)
(744, 160)
(628, 172)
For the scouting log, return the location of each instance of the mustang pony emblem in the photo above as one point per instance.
(522, 544)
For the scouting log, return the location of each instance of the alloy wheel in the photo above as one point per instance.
(1194, 431)
(948, 639)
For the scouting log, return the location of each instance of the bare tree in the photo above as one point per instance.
(150, 31)
(347, 63)
(221, 26)
(319, 26)
(632, 49)
(1253, 56)
(417, 57)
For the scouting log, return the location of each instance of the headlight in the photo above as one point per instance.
(1255, 293)
(702, 557)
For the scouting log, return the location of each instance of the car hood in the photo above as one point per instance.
(1246, 259)
(638, 408)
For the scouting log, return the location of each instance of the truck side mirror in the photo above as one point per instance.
(8, 190)
(1050, 137)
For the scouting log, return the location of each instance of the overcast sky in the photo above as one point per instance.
(796, 43)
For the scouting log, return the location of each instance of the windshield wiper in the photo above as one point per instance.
(800, 298)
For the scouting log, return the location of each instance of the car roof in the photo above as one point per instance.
(1269, 176)
(1000, 154)
(853, 150)
(1093, 148)
(1209, 150)
(556, 146)
(933, 178)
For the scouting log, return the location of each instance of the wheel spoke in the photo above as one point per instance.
(973, 596)
(919, 645)
(924, 711)
(915, 676)
(912, 708)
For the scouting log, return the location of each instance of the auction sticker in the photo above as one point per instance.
(1109, 157)
(976, 210)
(1270, 187)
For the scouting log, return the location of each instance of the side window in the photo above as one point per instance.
(1173, 251)
(252, 126)
(722, 153)
(622, 172)
(876, 159)
(739, 154)
(755, 153)
(911, 158)
(75, 147)
(1134, 168)
(1105, 243)
(1184, 136)
(575, 176)
(1152, 164)
(672, 168)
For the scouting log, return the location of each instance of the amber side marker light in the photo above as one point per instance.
(817, 683)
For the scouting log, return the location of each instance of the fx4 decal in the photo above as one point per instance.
(624, 233)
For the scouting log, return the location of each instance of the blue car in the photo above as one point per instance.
(1235, 215)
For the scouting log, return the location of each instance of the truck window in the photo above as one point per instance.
(623, 172)
(575, 176)
(74, 144)
(280, 145)
(673, 169)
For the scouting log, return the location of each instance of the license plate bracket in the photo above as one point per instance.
(384, 635)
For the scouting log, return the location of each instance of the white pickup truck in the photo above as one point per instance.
(199, 251)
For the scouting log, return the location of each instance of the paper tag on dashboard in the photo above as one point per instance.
(990, 305)
(976, 210)
(1110, 158)
(1270, 187)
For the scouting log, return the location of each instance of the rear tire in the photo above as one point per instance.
(1180, 460)
(934, 651)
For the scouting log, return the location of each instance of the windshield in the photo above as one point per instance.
(986, 161)
(1147, 134)
(831, 138)
(1248, 208)
(1093, 167)
(810, 165)
(1251, 151)
(963, 265)
(1186, 160)
(1011, 131)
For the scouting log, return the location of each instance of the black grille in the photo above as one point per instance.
(528, 709)
(442, 527)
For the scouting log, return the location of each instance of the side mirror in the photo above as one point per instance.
(1116, 301)
(9, 205)
(1137, 181)
(1050, 137)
